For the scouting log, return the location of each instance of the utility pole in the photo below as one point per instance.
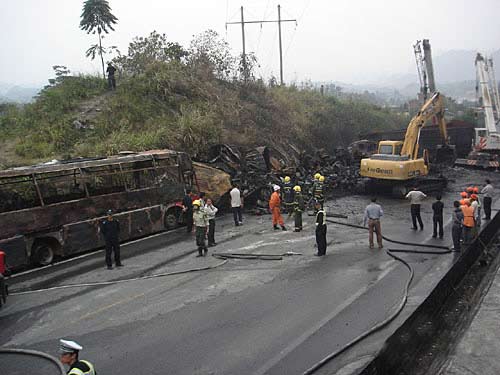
(281, 49)
(279, 21)
(244, 55)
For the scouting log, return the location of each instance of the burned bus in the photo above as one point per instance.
(54, 210)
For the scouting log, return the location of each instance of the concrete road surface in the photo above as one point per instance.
(242, 317)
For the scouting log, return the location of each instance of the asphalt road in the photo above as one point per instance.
(245, 316)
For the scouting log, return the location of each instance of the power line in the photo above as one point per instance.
(279, 21)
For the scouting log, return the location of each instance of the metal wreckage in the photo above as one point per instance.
(257, 169)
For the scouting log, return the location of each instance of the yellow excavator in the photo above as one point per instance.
(399, 165)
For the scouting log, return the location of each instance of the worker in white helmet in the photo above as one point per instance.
(69, 356)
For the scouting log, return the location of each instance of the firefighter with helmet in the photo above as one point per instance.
(288, 195)
(298, 207)
(318, 192)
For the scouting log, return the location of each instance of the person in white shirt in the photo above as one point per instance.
(487, 192)
(211, 211)
(236, 205)
(416, 196)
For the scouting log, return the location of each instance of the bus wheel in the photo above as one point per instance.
(171, 221)
(43, 254)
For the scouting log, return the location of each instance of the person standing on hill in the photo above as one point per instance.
(111, 76)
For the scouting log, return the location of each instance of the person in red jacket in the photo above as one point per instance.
(275, 207)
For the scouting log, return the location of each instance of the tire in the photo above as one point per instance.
(171, 219)
(43, 254)
(3, 292)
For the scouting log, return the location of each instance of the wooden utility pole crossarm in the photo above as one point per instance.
(279, 21)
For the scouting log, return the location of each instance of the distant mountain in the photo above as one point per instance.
(17, 94)
(454, 71)
(458, 65)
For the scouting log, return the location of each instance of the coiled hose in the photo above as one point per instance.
(401, 305)
(35, 353)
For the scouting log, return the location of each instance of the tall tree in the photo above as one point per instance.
(97, 17)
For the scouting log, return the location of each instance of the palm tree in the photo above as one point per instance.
(97, 16)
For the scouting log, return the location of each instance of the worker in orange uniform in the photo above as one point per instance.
(275, 207)
(470, 191)
(469, 222)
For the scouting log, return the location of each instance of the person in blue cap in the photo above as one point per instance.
(69, 356)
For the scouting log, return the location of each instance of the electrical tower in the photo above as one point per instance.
(279, 21)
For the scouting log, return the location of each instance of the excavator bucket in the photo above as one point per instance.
(446, 154)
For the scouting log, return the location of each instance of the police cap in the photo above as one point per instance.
(68, 346)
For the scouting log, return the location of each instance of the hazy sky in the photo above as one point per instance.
(345, 40)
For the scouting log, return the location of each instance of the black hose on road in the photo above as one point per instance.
(35, 353)
(119, 281)
(375, 328)
(388, 239)
(401, 305)
(422, 251)
(254, 256)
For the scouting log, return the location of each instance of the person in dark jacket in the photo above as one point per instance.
(457, 220)
(288, 195)
(187, 208)
(320, 230)
(111, 76)
(298, 207)
(110, 229)
(437, 217)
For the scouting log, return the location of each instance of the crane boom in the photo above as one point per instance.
(494, 88)
(487, 100)
(428, 65)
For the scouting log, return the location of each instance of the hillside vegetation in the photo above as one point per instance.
(185, 99)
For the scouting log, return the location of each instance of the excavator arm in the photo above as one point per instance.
(432, 107)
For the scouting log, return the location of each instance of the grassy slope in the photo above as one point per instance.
(172, 106)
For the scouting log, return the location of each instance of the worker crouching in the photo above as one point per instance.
(200, 220)
(298, 207)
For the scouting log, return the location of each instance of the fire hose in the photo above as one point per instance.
(119, 281)
(401, 304)
(35, 353)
